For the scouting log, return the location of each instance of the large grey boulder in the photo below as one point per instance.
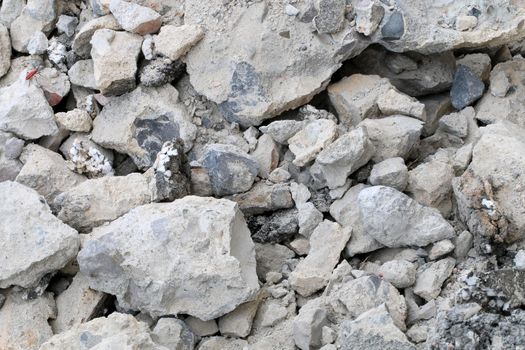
(33, 242)
(112, 332)
(138, 123)
(396, 220)
(24, 111)
(490, 194)
(192, 256)
(5, 50)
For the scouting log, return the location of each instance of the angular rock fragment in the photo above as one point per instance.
(173, 334)
(138, 123)
(344, 156)
(229, 168)
(330, 16)
(36, 16)
(112, 331)
(280, 226)
(74, 120)
(263, 198)
(466, 89)
(393, 102)
(85, 157)
(81, 74)
(270, 258)
(205, 274)
(25, 111)
(368, 16)
(160, 71)
(282, 130)
(25, 321)
(390, 172)
(77, 304)
(400, 273)
(10, 166)
(312, 139)
(267, 155)
(174, 42)
(396, 220)
(5, 50)
(115, 56)
(10, 10)
(431, 277)
(54, 83)
(31, 228)
(216, 343)
(67, 24)
(96, 201)
(308, 218)
(201, 328)
(135, 18)
(439, 249)
(455, 124)
(490, 193)
(479, 63)
(238, 323)
(393, 136)
(308, 326)
(82, 42)
(326, 243)
(46, 172)
(374, 330)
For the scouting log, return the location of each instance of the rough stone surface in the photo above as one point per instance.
(5, 50)
(174, 42)
(264, 198)
(394, 102)
(135, 18)
(238, 323)
(173, 334)
(390, 172)
(326, 243)
(431, 277)
(115, 56)
(308, 326)
(82, 74)
(138, 123)
(157, 232)
(396, 220)
(82, 42)
(400, 273)
(31, 228)
(36, 16)
(312, 139)
(267, 155)
(25, 321)
(344, 156)
(373, 330)
(74, 120)
(393, 136)
(466, 88)
(112, 331)
(25, 111)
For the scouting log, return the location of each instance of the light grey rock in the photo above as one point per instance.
(343, 157)
(400, 273)
(346, 212)
(13, 147)
(238, 323)
(67, 25)
(46, 172)
(499, 84)
(479, 63)
(209, 275)
(112, 331)
(5, 49)
(230, 169)
(222, 343)
(138, 123)
(431, 276)
(82, 42)
(308, 218)
(31, 228)
(330, 16)
(355, 97)
(74, 120)
(436, 106)
(519, 260)
(396, 220)
(430, 184)
(54, 83)
(464, 23)
(393, 136)
(353, 297)
(417, 333)
(9, 166)
(368, 16)
(326, 243)
(81, 74)
(390, 172)
(135, 18)
(263, 198)
(36, 16)
(308, 325)
(455, 124)
(173, 334)
(394, 102)
(96, 201)
(201, 328)
(279, 175)
(301, 246)
(271, 258)
(440, 249)
(174, 42)
(115, 56)
(25, 111)
(490, 193)
(374, 330)
(311, 140)
(463, 243)
(25, 321)
(10, 10)
(37, 44)
(77, 304)
(282, 130)
(267, 155)
(300, 193)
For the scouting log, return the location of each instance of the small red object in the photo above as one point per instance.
(31, 73)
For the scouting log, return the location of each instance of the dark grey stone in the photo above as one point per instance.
(279, 227)
(177, 184)
(160, 71)
(394, 27)
(467, 88)
(152, 133)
